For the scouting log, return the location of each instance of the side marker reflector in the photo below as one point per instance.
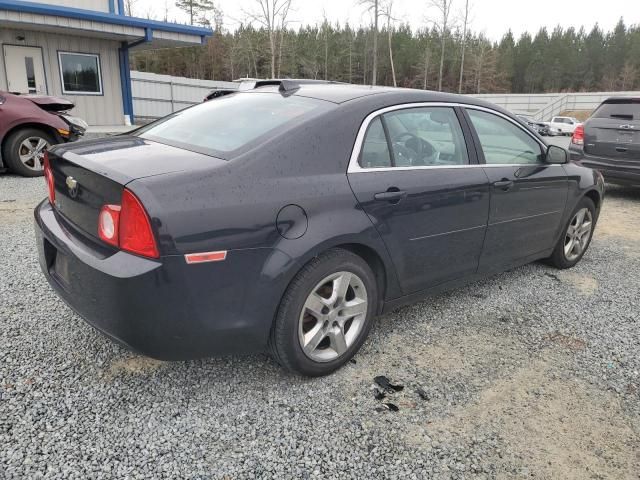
(205, 257)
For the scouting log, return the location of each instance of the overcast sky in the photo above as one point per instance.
(493, 17)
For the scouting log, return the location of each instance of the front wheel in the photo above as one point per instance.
(577, 236)
(325, 314)
(24, 151)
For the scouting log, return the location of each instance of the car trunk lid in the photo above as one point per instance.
(612, 138)
(88, 175)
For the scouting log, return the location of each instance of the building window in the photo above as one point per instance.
(80, 73)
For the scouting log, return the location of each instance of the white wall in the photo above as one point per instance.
(155, 96)
(97, 5)
(543, 106)
(518, 103)
(103, 109)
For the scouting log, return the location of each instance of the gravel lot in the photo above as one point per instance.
(531, 374)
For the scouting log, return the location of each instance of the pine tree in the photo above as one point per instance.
(557, 60)
(197, 10)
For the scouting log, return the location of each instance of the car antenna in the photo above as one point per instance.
(288, 86)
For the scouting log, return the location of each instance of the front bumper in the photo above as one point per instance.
(162, 308)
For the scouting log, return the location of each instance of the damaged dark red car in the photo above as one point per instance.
(29, 125)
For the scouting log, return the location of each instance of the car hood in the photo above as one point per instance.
(50, 104)
(125, 158)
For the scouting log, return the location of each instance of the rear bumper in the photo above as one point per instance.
(613, 170)
(163, 308)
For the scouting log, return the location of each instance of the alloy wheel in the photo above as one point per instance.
(31, 152)
(332, 316)
(578, 234)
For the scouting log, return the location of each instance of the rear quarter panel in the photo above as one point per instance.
(234, 206)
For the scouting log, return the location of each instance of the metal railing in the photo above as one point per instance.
(556, 107)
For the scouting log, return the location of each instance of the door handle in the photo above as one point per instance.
(392, 195)
(621, 149)
(504, 184)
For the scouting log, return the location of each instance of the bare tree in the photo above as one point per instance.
(444, 9)
(272, 15)
(465, 27)
(129, 7)
(351, 41)
(480, 59)
(387, 12)
(427, 57)
(283, 27)
(628, 77)
(324, 29)
(373, 6)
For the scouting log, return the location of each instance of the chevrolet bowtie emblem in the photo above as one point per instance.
(72, 185)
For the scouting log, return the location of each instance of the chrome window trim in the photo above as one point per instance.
(354, 165)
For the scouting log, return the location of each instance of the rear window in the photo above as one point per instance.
(622, 111)
(228, 125)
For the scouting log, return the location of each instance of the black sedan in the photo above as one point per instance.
(289, 216)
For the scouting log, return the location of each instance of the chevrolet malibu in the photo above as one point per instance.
(287, 217)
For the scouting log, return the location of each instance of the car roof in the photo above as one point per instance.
(622, 100)
(340, 93)
(330, 92)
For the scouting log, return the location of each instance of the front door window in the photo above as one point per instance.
(504, 143)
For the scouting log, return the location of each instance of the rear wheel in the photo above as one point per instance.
(577, 236)
(23, 151)
(325, 314)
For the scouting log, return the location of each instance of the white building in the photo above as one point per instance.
(79, 49)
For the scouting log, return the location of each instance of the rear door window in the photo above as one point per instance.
(426, 136)
(375, 149)
(225, 126)
(414, 137)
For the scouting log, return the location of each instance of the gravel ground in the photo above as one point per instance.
(531, 374)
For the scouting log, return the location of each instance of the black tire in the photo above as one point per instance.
(559, 258)
(284, 342)
(11, 146)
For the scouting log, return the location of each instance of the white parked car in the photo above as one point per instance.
(564, 125)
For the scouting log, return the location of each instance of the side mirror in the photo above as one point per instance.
(557, 155)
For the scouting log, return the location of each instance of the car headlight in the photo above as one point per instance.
(78, 125)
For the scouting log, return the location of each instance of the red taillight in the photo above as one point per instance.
(48, 176)
(127, 227)
(109, 224)
(578, 135)
(136, 235)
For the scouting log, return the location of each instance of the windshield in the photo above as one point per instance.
(225, 126)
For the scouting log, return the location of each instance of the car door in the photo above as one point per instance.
(528, 196)
(422, 188)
